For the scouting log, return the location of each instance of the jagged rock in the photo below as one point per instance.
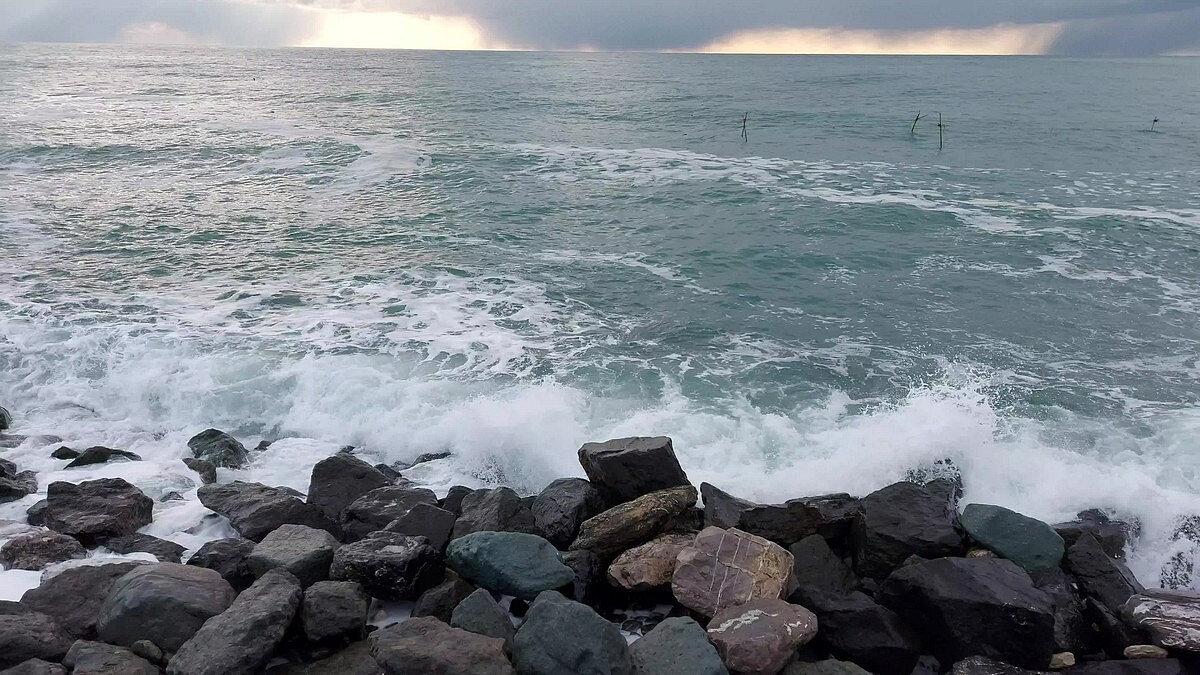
(373, 511)
(591, 579)
(165, 551)
(426, 646)
(900, 520)
(6, 418)
(723, 568)
(495, 510)
(1029, 542)
(36, 514)
(819, 570)
(36, 551)
(513, 563)
(854, 627)
(974, 607)
(1115, 634)
(97, 658)
(334, 609)
(452, 502)
(74, 596)
(1112, 534)
(26, 634)
(241, 639)
(829, 515)
(98, 454)
(219, 448)
(982, 665)
(480, 613)
(64, 452)
(759, 637)
(11, 440)
(95, 511)
(164, 603)
(304, 551)
(353, 660)
(627, 468)
(35, 667)
(206, 469)
(339, 480)
(562, 506)
(1073, 631)
(389, 566)
(1104, 578)
(17, 486)
(425, 520)
(676, 646)
(649, 566)
(1172, 618)
(562, 637)
(440, 601)
(228, 558)
(634, 522)
(255, 510)
(825, 667)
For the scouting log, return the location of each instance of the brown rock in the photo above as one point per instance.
(760, 636)
(632, 523)
(723, 568)
(1145, 652)
(649, 566)
(428, 646)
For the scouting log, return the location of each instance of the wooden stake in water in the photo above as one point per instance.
(940, 131)
(1153, 123)
(745, 136)
(916, 119)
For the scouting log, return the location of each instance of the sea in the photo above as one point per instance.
(814, 273)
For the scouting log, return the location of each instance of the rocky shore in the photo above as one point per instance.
(621, 572)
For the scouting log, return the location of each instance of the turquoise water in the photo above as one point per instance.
(506, 255)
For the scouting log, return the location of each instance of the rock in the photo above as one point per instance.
(26, 634)
(304, 551)
(1172, 618)
(627, 468)
(1137, 667)
(389, 566)
(95, 511)
(206, 469)
(1062, 660)
(219, 448)
(723, 568)
(513, 563)
(440, 601)
(99, 454)
(759, 637)
(1115, 634)
(339, 480)
(64, 452)
(825, 667)
(97, 658)
(36, 551)
(164, 603)
(480, 613)
(6, 418)
(1112, 534)
(353, 660)
(1073, 632)
(334, 609)
(1026, 541)
(854, 627)
(452, 502)
(829, 515)
(17, 486)
(149, 651)
(74, 596)
(631, 523)
(426, 646)
(1106, 579)
(11, 440)
(242, 638)
(373, 511)
(495, 510)
(819, 570)
(35, 667)
(228, 558)
(649, 566)
(676, 646)
(562, 506)
(901, 520)
(165, 551)
(982, 665)
(591, 578)
(255, 510)
(974, 607)
(562, 637)
(425, 520)
(1145, 652)
(7, 469)
(36, 514)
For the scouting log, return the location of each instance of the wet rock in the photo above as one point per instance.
(1030, 543)
(35, 667)
(389, 566)
(165, 551)
(513, 563)
(426, 646)
(854, 627)
(11, 440)
(480, 613)
(677, 646)
(97, 658)
(900, 520)
(304, 551)
(373, 511)
(495, 510)
(353, 660)
(591, 579)
(562, 506)
(440, 601)
(723, 568)
(334, 609)
(74, 596)
(36, 514)
(36, 551)
(206, 469)
(562, 637)
(64, 452)
(228, 558)
(1073, 631)
(627, 468)
(17, 486)
(1104, 578)
(974, 607)
(1112, 534)
(818, 569)
(99, 454)
(27, 634)
(1172, 618)
(255, 510)
(1136, 667)
(1115, 634)
(759, 637)
(634, 522)
(829, 515)
(95, 511)
(425, 520)
(242, 639)
(339, 480)
(6, 418)
(164, 603)
(452, 502)
(649, 566)
(219, 448)
(982, 665)
(824, 667)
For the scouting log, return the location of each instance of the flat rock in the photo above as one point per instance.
(723, 568)
(97, 658)
(164, 603)
(374, 510)
(627, 468)
(823, 667)
(228, 558)
(901, 520)
(855, 628)
(339, 480)
(426, 646)
(334, 609)
(676, 646)
(35, 667)
(563, 637)
(304, 551)
(389, 566)
(759, 637)
(27, 634)
(95, 511)
(98, 454)
(425, 520)
(255, 510)
(74, 596)
(513, 563)
(649, 566)
(440, 601)
(480, 613)
(828, 515)
(1172, 618)
(206, 469)
(36, 551)
(495, 510)
(562, 506)
(1101, 576)
(1029, 542)
(634, 522)
(165, 551)
(219, 448)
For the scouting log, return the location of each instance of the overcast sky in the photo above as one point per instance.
(1068, 27)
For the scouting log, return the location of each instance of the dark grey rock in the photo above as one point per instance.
(219, 448)
(95, 511)
(634, 522)
(353, 660)
(627, 468)
(390, 473)
(452, 502)
(165, 551)
(7, 468)
(339, 480)
(255, 510)
(74, 596)
(828, 515)
(513, 563)
(27, 634)
(334, 609)
(36, 514)
(6, 418)
(206, 469)
(1112, 534)
(676, 646)
(228, 558)
(1100, 576)
(825, 667)
(36, 551)
(425, 520)
(982, 665)
(64, 452)
(900, 520)
(440, 601)
(11, 440)
(164, 603)
(389, 566)
(304, 551)
(1136, 667)
(97, 658)
(1029, 542)
(590, 585)
(857, 629)
(149, 651)
(1073, 631)
(819, 570)
(495, 510)
(35, 667)
(17, 486)
(1115, 634)
(563, 637)
(480, 613)
(98, 454)
(562, 506)
(426, 646)
(373, 511)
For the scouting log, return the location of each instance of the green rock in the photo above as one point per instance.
(1028, 542)
(513, 563)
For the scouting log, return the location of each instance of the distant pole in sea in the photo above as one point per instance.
(940, 131)
(745, 136)
(916, 119)
(1153, 123)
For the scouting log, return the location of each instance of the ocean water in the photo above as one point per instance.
(505, 255)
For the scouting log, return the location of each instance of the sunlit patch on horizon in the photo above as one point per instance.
(397, 30)
(156, 33)
(1001, 39)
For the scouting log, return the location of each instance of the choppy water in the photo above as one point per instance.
(506, 255)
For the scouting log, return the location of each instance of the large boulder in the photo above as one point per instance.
(723, 568)
(452, 502)
(219, 448)
(35, 551)
(17, 486)
(255, 510)
(512, 563)
(164, 603)
(827, 667)
(677, 646)
(649, 566)
(591, 577)
(1073, 631)
(374, 510)
(425, 520)
(496, 510)
(634, 522)
(1112, 534)
(389, 566)
(480, 613)
(97, 658)
(98, 454)
(440, 601)
(228, 558)
(26, 634)
(759, 637)
(240, 640)
(75, 595)
(305, 552)
(901, 520)
(818, 570)
(204, 468)
(426, 646)
(1101, 576)
(562, 507)
(974, 606)
(828, 515)
(1029, 542)
(334, 609)
(562, 637)
(35, 667)
(855, 628)
(1172, 618)
(95, 511)
(627, 468)
(339, 480)
(165, 551)
(353, 660)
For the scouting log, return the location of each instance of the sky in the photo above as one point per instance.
(1060, 27)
